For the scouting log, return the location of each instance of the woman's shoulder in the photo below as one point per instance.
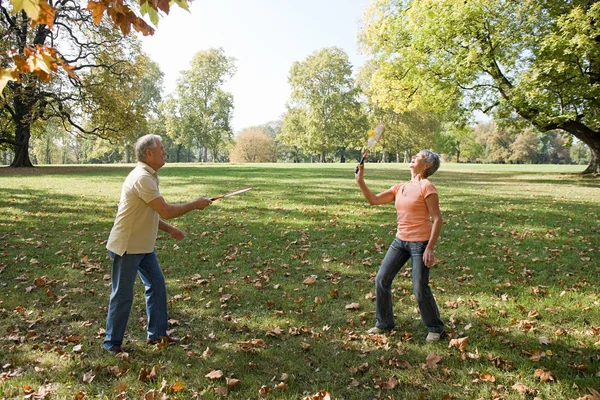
(427, 187)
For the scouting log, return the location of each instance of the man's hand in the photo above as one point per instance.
(202, 202)
(177, 233)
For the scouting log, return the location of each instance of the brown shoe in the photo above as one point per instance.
(164, 339)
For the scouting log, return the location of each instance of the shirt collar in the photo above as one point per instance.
(146, 167)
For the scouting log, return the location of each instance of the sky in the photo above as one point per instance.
(264, 36)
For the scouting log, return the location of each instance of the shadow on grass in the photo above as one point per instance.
(256, 250)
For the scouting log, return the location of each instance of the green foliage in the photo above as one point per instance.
(97, 104)
(539, 60)
(517, 275)
(324, 113)
(199, 113)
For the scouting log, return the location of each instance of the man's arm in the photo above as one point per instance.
(169, 211)
(175, 232)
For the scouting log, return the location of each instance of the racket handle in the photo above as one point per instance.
(362, 161)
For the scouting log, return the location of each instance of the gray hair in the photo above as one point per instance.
(146, 142)
(433, 159)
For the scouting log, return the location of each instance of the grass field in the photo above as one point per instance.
(272, 290)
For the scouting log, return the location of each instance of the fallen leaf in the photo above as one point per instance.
(177, 387)
(214, 374)
(460, 343)
(88, 377)
(232, 382)
(353, 306)
(264, 391)
(487, 377)
(432, 359)
(543, 374)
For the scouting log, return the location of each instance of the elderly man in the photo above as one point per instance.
(141, 213)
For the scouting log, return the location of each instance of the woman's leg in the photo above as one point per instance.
(430, 314)
(394, 259)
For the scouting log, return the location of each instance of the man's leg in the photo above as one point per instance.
(124, 272)
(156, 296)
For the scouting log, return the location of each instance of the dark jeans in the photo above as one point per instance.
(396, 256)
(124, 272)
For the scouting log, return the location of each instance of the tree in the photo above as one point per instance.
(200, 112)
(538, 59)
(76, 34)
(526, 148)
(324, 113)
(406, 131)
(97, 101)
(253, 145)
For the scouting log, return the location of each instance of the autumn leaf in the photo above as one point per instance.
(524, 390)
(543, 375)
(321, 395)
(353, 306)
(46, 15)
(305, 346)
(7, 75)
(310, 280)
(231, 382)
(147, 375)
(153, 394)
(487, 377)
(177, 387)
(264, 391)
(207, 353)
(390, 384)
(88, 377)
(31, 7)
(214, 374)
(432, 359)
(460, 344)
(534, 355)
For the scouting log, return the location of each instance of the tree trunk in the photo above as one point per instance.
(23, 134)
(178, 153)
(591, 138)
(343, 155)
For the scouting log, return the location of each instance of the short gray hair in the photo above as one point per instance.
(146, 142)
(433, 159)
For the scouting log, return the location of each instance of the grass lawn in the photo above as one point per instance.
(272, 290)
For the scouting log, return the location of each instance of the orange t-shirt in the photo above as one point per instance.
(414, 224)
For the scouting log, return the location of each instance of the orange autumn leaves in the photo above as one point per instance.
(42, 61)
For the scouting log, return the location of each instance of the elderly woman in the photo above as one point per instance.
(419, 225)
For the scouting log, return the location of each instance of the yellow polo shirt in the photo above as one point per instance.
(136, 223)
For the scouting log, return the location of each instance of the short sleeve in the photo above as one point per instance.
(147, 188)
(395, 189)
(427, 188)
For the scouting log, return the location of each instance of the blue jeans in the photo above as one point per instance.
(396, 256)
(124, 272)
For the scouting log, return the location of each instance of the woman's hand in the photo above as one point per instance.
(429, 257)
(359, 172)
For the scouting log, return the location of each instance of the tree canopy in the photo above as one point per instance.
(66, 60)
(200, 112)
(324, 113)
(537, 59)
